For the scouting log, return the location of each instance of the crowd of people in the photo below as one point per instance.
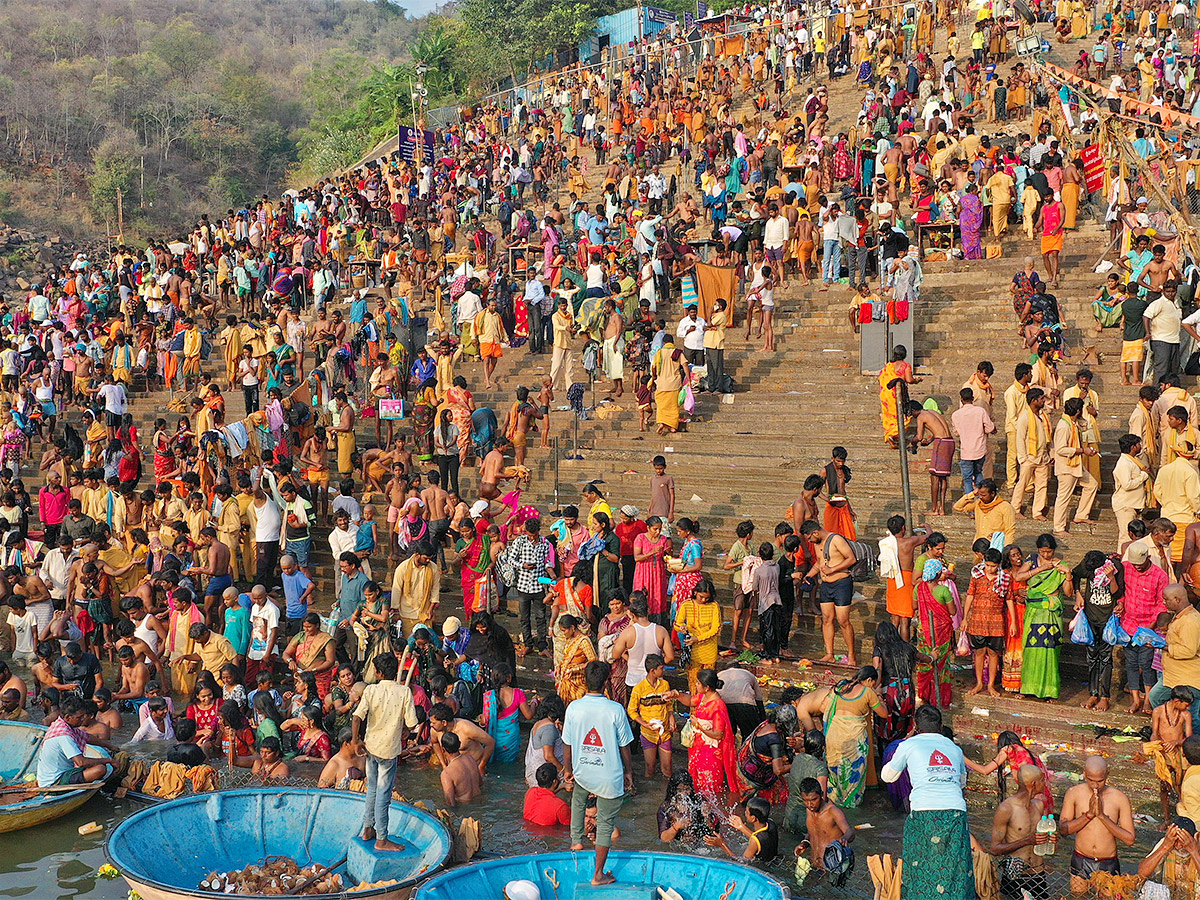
(189, 605)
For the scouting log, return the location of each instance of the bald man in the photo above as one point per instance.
(1014, 835)
(1098, 816)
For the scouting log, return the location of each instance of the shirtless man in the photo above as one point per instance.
(1014, 836)
(314, 458)
(1158, 272)
(385, 385)
(1171, 725)
(83, 378)
(321, 333)
(803, 235)
(217, 571)
(805, 507)
(614, 327)
(397, 494)
(142, 651)
(835, 558)
(520, 416)
(1098, 816)
(544, 398)
(475, 742)
(825, 822)
(490, 472)
(461, 780)
(437, 512)
(374, 464)
(134, 676)
(932, 429)
(344, 764)
(900, 596)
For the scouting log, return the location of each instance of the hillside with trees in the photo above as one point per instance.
(177, 107)
(157, 110)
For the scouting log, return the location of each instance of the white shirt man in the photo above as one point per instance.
(691, 331)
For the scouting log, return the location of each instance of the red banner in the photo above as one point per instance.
(1093, 168)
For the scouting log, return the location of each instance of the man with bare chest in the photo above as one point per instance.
(437, 511)
(933, 431)
(517, 422)
(1098, 816)
(490, 473)
(1015, 835)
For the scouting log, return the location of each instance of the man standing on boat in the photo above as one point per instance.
(388, 705)
(596, 759)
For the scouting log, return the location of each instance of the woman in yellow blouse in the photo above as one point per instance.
(699, 617)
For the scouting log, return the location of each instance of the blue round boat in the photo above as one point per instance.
(165, 851)
(638, 875)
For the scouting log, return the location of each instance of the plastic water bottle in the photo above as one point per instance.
(1052, 830)
(1045, 826)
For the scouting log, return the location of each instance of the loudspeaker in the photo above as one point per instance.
(1022, 10)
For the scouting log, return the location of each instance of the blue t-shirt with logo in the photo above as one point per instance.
(936, 767)
(596, 729)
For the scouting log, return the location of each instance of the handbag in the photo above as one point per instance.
(1081, 630)
(1114, 634)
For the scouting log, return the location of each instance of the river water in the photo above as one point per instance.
(55, 861)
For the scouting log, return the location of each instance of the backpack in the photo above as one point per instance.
(866, 559)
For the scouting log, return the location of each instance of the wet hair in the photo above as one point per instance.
(451, 742)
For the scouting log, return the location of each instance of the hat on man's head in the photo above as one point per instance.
(1138, 553)
(451, 626)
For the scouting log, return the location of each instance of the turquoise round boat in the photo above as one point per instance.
(164, 852)
(568, 876)
(19, 746)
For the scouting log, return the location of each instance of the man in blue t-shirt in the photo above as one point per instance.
(62, 756)
(937, 844)
(596, 738)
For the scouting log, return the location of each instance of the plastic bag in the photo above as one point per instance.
(1081, 630)
(1114, 634)
(1148, 637)
(964, 646)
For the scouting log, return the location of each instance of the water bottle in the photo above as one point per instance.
(1052, 830)
(1044, 826)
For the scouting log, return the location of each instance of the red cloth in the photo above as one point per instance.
(546, 808)
(628, 534)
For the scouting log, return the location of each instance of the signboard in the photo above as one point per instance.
(1093, 168)
(688, 21)
(661, 16)
(391, 409)
(701, 9)
(408, 143)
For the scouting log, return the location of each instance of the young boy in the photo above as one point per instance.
(654, 715)
(763, 846)
(770, 603)
(645, 401)
(237, 624)
(808, 763)
(825, 822)
(989, 605)
(345, 501)
(21, 624)
(1171, 725)
(662, 494)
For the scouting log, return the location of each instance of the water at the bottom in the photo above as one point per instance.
(54, 861)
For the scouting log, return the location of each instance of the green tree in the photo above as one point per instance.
(114, 175)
